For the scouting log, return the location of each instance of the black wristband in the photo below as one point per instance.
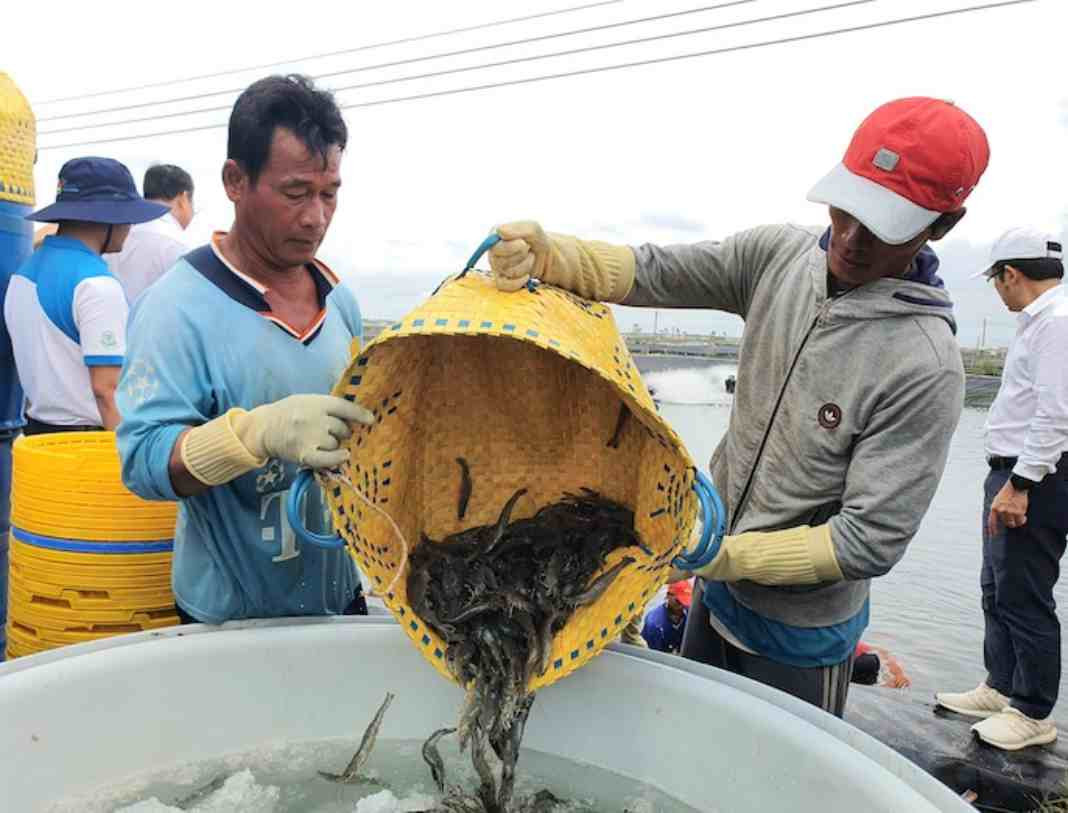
(1021, 483)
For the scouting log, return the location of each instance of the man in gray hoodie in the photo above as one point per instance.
(850, 385)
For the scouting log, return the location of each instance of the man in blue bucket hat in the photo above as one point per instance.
(231, 356)
(65, 311)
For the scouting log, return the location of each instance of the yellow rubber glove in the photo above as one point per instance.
(801, 555)
(303, 429)
(589, 268)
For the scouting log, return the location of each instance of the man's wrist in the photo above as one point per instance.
(214, 453)
(1021, 483)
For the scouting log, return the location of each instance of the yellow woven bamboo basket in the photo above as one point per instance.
(18, 140)
(527, 388)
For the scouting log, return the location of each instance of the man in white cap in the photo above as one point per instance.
(849, 387)
(1025, 510)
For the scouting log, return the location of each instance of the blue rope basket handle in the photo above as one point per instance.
(293, 502)
(491, 240)
(714, 526)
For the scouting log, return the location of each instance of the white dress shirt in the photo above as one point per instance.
(1029, 418)
(149, 252)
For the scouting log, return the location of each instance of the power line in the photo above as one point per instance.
(369, 47)
(411, 60)
(488, 65)
(588, 71)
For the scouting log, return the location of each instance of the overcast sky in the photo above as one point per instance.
(675, 152)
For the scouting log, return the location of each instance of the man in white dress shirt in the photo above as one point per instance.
(1025, 514)
(153, 248)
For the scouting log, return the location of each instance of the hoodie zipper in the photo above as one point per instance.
(744, 499)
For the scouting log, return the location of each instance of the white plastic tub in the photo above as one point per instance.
(91, 715)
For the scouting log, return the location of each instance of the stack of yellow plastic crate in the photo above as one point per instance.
(88, 558)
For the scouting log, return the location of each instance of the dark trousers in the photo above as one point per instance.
(823, 686)
(1022, 644)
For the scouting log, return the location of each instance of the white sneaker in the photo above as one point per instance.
(1012, 730)
(982, 701)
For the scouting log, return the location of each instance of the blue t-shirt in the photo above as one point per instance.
(660, 633)
(201, 341)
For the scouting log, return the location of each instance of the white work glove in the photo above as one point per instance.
(522, 253)
(591, 269)
(304, 429)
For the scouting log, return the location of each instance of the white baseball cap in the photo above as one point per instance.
(1022, 243)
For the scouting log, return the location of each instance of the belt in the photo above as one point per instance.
(1001, 463)
(35, 427)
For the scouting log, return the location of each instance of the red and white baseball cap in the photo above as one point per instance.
(683, 591)
(909, 161)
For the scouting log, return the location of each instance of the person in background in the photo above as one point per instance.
(664, 625)
(64, 310)
(1025, 507)
(154, 247)
(217, 349)
(849, 387)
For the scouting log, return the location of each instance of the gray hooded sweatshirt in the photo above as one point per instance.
(843, 410)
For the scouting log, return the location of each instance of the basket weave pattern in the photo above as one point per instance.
(18, 144)
(527, 388)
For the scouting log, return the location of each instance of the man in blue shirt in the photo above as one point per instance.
(216, 349)
(664, 626)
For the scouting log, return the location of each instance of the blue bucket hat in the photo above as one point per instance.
(98, 190)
